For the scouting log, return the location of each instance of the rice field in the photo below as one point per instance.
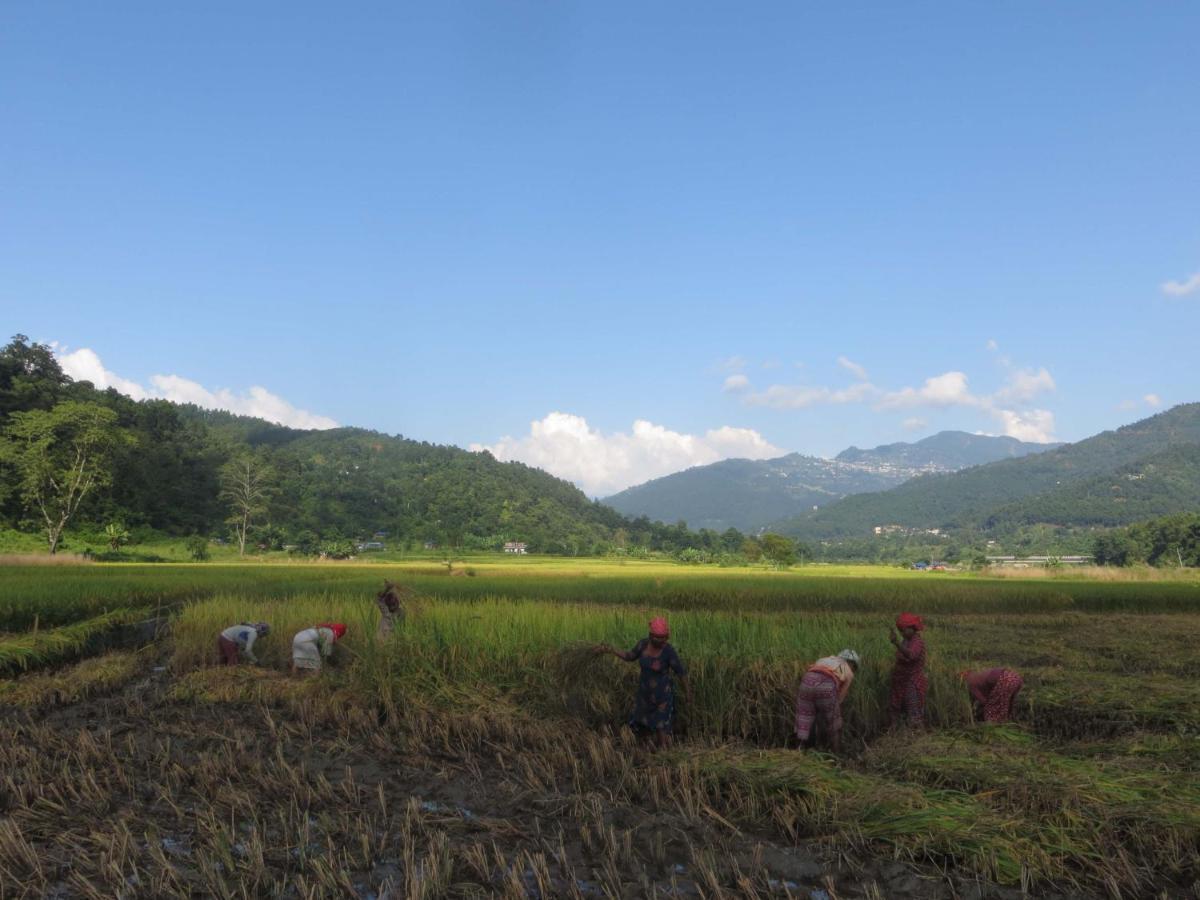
(480, 750)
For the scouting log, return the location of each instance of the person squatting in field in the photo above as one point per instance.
(654, 704)
(822, 690)
(391, 612)
(993, 692)
(312, 645)
(908, 675)
(238, 639)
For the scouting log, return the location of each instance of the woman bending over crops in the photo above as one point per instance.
(312, 645)
(654, 705)
(391, 612)
(238, 639)
(908, 677)
(993, 691)
(821, 693)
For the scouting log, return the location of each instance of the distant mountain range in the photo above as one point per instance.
(753, 494)
(946, 451)
(1145, 469)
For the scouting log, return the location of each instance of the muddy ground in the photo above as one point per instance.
(154, 792)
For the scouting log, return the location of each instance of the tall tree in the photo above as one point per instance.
(30, 376)
(780, 550)
(61, 455)
(245, 482)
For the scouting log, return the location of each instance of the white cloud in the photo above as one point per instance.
(1025, 384)
(1030, 425)
(992, 345)
(731, 364)
(1153, 400)
(601, 464)
(799, 396)
(853, 368)
(85, 365)
(949, 389)
(913, 424)
(1182, 288)
(736, 383)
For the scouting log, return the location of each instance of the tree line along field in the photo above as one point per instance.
(480, 751)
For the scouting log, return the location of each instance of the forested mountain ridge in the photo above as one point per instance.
(748, 494)
(1045, 487)
(167, 473)
(753, 494)
(946, 451)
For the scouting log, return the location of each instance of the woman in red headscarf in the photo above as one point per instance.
(313, 645)
(654, 707)
(908, 676)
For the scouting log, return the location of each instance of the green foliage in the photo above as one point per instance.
(245, 488)
(60, 456)
(1168, 541)
(778, 550)
(197, 547)
(116, 534)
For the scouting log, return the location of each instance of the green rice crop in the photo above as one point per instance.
(58, 595)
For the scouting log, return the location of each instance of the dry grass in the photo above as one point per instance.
(1132, 574)
(88, 678)
(44, 559)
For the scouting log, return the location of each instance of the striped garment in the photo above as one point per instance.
(998, 707)
(817, 697)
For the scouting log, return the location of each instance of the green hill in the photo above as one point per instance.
(1062, 486)
(753, 494)
(749, 494)
(340, 484)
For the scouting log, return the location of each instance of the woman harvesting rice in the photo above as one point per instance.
(238, 639)
(908, 676)
(993, 691)
(312, 645)
(821, 693)
(654, 705)
(391, 611)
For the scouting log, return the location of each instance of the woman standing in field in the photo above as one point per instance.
(391, 612)
(238, 639)
(312, 645)
(821, 693)
(993, 691)
(908, 676)
(654, 705)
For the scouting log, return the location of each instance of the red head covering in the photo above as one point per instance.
(909, 620)
(659, 627)
(337, 628)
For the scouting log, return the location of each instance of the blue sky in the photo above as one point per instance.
(456, 220)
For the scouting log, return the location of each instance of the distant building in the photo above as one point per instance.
(370, 545)
(514, 547)
(1024, 562)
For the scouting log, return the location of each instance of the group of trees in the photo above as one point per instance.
(1167, 541)
(74, 455)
